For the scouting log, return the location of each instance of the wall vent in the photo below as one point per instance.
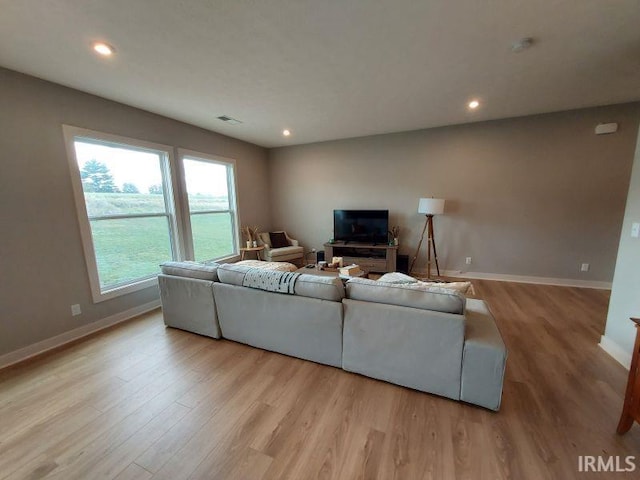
(229, 120)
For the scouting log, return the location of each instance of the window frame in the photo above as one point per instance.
(232, 188)
(173, 212)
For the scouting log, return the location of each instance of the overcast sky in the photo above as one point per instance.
(143, 169)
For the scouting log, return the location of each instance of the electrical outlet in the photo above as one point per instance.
(468, 261)
(635, 229)
(75, 309)
(584, 267)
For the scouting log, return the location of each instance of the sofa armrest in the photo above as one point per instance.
(292, 241)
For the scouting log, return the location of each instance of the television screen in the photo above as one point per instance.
(365, 226)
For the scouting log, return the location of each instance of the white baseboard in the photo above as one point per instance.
(29, 351)
(563, 282)
(616, 351)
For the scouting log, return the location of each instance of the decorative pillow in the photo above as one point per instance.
(191, 270)
(397, 277)
(278, 239)
(462, 287)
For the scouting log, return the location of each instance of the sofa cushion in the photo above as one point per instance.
(313, 286)
(232, 274)
(280, 252)
(278, 239)
(191, 270)
(316, 286)
(412, 295)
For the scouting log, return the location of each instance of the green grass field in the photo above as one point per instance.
(99, 204)
(131, 248)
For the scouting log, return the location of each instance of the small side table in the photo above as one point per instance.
(631, 409)
(243, 251)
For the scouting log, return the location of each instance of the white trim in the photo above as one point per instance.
(500, 277)
(43, 346)
(232, 189)
(165, 152)
(616, 351)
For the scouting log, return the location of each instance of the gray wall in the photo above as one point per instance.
(42, 265)
(533, 196)
(625, 292)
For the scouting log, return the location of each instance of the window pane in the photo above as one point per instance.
(129, 248)
(212, 235)
(207, 187)
(118, 180)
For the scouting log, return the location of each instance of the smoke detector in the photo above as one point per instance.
(229, 120)
(522, 44)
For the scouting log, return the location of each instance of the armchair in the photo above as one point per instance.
(291, 253)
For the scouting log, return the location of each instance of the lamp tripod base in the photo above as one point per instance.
(431, 246)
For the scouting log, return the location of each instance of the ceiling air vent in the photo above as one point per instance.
(229, 120)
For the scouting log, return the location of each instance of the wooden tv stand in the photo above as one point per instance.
(370, 256)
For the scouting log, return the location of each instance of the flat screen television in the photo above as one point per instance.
(362, 226)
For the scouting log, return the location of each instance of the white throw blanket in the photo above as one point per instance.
(280, 266)
(271, 281)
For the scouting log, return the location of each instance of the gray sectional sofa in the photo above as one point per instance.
(434, 340)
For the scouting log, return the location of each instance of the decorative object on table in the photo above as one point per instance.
(428, 207)
(394, 235)
(322, 264)
(631, 408)
(352, 270)
(255, 244)
(337, 261)
(250, 235)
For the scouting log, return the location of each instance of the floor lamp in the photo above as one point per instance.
(428, 207)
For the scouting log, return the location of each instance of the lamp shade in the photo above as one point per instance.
(431, 206)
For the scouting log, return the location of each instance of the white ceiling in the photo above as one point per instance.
(330, 69)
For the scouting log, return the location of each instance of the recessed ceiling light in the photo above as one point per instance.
(473, 104)
(286, 132)
(103, 49)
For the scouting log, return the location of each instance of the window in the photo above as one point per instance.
(209, 186)
(125, 207)
(130, 220)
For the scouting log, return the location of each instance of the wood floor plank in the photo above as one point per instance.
(133, 472)
(140, 401)
(109, 430)
(222, 424)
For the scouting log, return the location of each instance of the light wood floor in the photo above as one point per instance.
(140, 401)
